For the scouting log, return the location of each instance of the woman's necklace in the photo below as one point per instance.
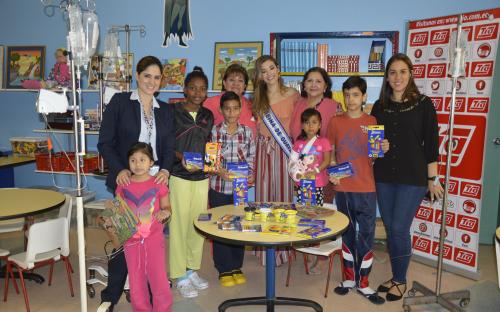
(149, 122)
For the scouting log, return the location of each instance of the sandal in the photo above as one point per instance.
(344, 288)
(393, 297)
(373, 297)
(384, 287)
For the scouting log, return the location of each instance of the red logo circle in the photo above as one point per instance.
(466, 238)
(480, 85)
(469, 206)
(438, 52)
(418, 53)
(484, 50)
(435, 85)
(422, 227)
(459, 85)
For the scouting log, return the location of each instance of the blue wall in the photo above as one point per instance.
(24, 23)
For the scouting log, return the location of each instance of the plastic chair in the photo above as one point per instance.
(48, 242)
(329, 249)
(13, 225)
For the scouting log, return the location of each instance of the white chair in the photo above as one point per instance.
(328, 249)
(48, 242)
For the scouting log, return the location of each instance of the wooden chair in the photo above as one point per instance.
(48, 242)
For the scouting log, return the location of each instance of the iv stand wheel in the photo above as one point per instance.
(464, 302)
(412, 292)
(90, 291)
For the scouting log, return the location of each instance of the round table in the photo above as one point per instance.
(19, 202)
(337, 222)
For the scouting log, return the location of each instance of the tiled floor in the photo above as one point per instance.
(57, 298)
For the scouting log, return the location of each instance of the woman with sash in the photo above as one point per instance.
(273, 103)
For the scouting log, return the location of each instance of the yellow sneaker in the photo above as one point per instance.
(239, 277)
(226, 280)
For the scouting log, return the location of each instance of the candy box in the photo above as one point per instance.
(340, 171)
(311, 222)
(212, 157)
(375, 137)
(240, 191)
(193, 160)
(28, 146)
(313, 232)
(238, 169)
(308, 192)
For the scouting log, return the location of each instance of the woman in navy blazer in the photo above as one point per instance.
(131, 117)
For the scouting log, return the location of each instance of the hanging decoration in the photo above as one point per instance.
(177, 24)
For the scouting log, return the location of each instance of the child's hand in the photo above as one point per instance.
(251, 179)
(163, 215)
(385, 145)
(334, 180)
(224, 174)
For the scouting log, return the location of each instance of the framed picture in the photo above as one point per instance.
(114, 71)
(227, 53)
(24, 63)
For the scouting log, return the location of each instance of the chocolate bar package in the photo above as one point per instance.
(193, 160)
(375, 137)
(238, 169)
(251, 228)
(308, 192)
(313, 232)
(311, 222)
(204, 217)
(212, 157)
(240, 191)
(278, 229)
(340, 171)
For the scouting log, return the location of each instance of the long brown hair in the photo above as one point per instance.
(411, 92)
(260, 101)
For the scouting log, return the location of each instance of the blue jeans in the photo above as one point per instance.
(226, 257)
(398, 204)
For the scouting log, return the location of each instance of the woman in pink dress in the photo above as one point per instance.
(272, 182)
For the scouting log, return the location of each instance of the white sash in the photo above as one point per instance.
(277, 131)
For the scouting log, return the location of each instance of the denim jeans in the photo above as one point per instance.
(226, 257)
(398, 204)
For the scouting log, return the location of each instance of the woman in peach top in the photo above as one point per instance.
(272, 182)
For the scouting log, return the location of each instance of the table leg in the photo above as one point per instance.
(37, 278)
(270, 300)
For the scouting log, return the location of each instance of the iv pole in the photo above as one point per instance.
(445, 300)
(127, 29)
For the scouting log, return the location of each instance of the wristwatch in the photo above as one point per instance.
(434, 179)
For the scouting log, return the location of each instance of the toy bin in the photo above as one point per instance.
(90, 162)
(28, 146)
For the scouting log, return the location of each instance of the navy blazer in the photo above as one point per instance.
(121, 127)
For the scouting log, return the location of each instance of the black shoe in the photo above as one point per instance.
(393, 297)
(374, 297)
(383, 288)
(340, 290)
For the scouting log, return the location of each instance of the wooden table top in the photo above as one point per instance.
(15, 160)
(19, 202)
(337, 222)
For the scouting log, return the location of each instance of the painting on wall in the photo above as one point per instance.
(227, 53)
(24, 63)
(176, 23)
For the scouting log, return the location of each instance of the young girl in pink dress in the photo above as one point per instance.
(312, 152)
(145, 250)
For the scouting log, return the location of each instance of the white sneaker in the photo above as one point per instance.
(186, 289)
(198, 282)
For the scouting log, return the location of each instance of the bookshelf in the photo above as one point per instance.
(341, 54)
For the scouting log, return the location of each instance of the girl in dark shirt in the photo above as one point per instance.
(409, 169)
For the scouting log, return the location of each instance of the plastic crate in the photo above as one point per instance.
(90, 163)
(28, 146)
(65, 164)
